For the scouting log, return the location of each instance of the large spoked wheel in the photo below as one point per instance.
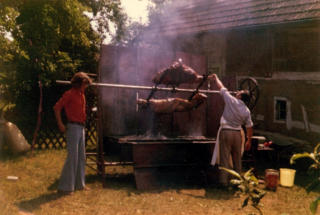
(251, 85)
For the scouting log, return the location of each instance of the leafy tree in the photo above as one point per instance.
(132, 32)
(137, 33)
(159, 8)
(105, 13)
(50, 40)
(8, 50)
(55, 37)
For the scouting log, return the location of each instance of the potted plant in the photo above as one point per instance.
(315, 158)
(248, 185)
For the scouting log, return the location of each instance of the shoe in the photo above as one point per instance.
(85, 188)
(64, 193)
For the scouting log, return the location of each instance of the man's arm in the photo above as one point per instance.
(249, 137)
(57, 113)
(215, 78)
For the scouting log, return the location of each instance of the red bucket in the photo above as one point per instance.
(271, 179)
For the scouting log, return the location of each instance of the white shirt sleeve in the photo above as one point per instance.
(227, 97)
(235, 113)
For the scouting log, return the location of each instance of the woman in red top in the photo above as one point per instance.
(74, 104)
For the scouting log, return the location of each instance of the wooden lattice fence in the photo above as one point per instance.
(49, 137)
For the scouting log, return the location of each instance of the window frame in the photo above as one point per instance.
(275, 111)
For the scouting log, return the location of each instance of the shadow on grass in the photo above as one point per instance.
(113, 181)
(191, 185)
(6, 155)
(54, 185)
(33, 204)
(116, 181)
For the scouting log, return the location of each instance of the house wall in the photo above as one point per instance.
(303, 117)
(285, 62)
(213, 46)
(284, 59)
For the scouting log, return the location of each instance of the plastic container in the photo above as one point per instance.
(271, 179)
(287, 177)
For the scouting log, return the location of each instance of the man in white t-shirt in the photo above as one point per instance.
(229, 139)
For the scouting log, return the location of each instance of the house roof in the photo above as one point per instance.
(194, 16)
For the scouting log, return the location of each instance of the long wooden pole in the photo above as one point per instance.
(137, 87)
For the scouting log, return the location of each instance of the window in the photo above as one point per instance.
(280, 109)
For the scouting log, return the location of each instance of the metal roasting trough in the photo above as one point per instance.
(157, 161)
(160, 162)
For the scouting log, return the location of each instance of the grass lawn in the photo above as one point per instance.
(35, 193)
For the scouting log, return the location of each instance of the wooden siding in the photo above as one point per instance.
(208, 15)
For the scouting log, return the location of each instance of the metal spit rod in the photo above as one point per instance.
(137, 87)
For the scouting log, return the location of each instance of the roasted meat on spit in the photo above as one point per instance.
(176, 74)
(171, 105)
